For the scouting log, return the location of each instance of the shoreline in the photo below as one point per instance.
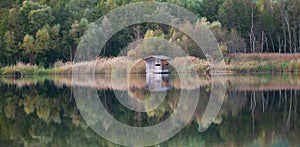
(49, 73)
(235, 64)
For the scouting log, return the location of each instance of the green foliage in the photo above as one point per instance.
(210, 8)
(3, 28)
(89, 46)
(57, 26)
(29, 47)
(12, 49)
(80, 9)
(266, 20)
(40, 17)
(42, 39)
(236, 14)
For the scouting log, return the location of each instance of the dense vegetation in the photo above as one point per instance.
(42, 32)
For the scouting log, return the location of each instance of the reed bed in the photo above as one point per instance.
(27, 69)
(235, 63)
(271, 62)
(189, 65)
(264, 56)
(124, 65)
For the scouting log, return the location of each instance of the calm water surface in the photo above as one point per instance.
(258, 110)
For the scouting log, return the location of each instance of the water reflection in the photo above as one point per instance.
(157, 82)
(259, 110)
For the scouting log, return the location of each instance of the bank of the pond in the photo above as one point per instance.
(271, 63)
(22, 69)
(116, 65)
(235, 63)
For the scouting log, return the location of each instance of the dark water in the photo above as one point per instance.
(260, 110)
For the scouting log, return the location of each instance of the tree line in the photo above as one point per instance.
(44, 31)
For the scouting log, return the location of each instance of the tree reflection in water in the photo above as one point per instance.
(258, 110)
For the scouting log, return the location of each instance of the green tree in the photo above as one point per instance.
(33, 16)
(78, 28)
(210, 8)
(80, 9)
(236, 14)
(235, 43)
(42, 39)
(76, 32)
(192, 5)
(104, 6)
(56, 48)
(41, 44)
(12, 49)
(29, 47)
(40, 17)
(23, 13)
(89, 45)
(15, 25)
(3, 28)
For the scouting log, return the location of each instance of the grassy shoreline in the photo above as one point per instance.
(29, 70)
(263, 63)
(235, 64)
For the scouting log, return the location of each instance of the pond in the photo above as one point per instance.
(255, 110)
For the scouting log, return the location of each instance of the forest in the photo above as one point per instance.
(43, 32)
(41, 37)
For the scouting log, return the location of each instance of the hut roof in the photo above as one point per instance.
(162, 57)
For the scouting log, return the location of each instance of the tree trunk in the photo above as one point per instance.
(282, 17)
(31, 58)
(284, 44)
(286, 18)
(71, 54)
(279, 44)
(299, 37)
(272, 42)
(294, 36)
(262, 42)
(252, 35)
(267, 43)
